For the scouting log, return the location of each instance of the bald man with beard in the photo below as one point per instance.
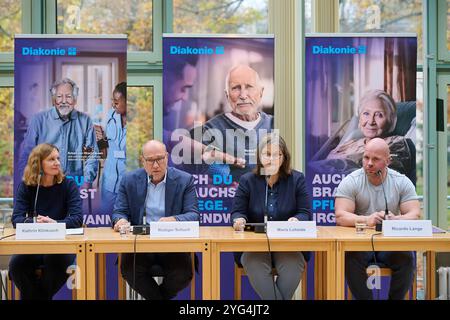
(361, 193)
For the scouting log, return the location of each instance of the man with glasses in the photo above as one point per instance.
(70, 130)
(155, 193)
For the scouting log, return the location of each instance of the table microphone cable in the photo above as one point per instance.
(268, 241)
(134, 264)
(11, 235)
(373, 247)
(271, 267)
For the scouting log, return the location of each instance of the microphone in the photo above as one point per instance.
(266, 213)
(379, 226)
(36, 198)
(143, 229)
(258, 227)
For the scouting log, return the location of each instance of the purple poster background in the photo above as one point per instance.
(343, 73)
(96, 65)
(194, 92)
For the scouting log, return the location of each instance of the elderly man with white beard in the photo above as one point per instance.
(70, 130)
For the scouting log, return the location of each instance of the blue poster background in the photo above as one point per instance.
(96, 65)
(340, 71)
(195, 74)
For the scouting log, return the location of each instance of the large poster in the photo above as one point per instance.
(70, 91)
(358, 87)
(217, 102)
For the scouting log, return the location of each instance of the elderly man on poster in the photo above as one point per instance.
(232, 137)
(70, 130)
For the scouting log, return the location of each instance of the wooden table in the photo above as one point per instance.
(105, 240)
(73, 244)
(348, 240)
(225, 239)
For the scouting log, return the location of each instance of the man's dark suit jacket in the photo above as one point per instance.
(180, 199)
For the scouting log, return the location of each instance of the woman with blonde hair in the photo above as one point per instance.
(58, 200)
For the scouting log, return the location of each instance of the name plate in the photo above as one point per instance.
(407, 228)
(40, 231)
(176, 229)
(291, 229)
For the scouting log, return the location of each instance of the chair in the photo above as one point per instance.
(239, 272)
(17, 292)
(122, 283)
(387, 272)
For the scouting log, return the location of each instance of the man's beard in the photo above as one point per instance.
(64, 110)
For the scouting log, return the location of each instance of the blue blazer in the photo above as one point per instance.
(293, 200)
(180, 198)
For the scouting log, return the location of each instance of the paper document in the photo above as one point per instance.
(74, 231)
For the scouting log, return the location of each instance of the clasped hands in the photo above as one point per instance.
(239, 223)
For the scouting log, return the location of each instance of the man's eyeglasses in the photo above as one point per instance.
(158, 160)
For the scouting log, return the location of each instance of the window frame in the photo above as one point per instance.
(140, 59)
(443, 51)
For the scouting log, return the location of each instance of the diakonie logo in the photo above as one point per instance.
(30, 51)
(196, 50)
(338, 50)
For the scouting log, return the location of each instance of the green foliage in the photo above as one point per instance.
(396, 16)
(132, 17)
(213, 16)
(10, 23)
(139, 122)
(6, 141)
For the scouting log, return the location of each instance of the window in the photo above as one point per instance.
(307, 13)
(139, 122)
(133, 17)
(7, 142)
(448, 155)
(382, 16)
(10, 23)
(448, 25)
(219, 16)
(419, 134)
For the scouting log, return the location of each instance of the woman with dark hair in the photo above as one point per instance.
(116, 134)
(287, 200)
(58, 201)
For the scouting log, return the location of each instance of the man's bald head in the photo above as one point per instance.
(376, 156)
(153, 147)
(378, 145)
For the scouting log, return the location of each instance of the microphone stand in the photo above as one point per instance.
(258, 227)
(379, 226)
(35, 199)
(143, 229)
(266, 213)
